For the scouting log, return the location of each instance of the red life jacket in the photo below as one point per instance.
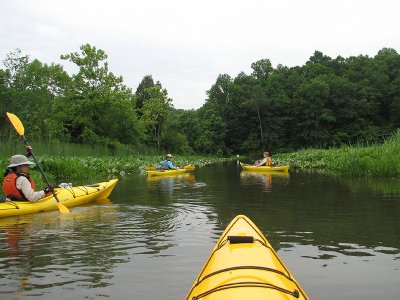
(10, 186)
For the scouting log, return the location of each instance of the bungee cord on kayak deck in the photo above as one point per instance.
(244, 264)
(15, 206)
(244, 268)
(82, 188)
(71, 196)
(250, 284)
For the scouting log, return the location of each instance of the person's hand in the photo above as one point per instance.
(28, 150)
(48, 190)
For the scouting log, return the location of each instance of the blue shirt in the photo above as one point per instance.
(167, 164)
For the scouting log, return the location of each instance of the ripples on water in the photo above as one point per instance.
(121, 249)
(152, 239)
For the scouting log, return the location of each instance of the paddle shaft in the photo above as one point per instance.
(41, 170)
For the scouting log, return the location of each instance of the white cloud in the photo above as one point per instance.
(187, 44)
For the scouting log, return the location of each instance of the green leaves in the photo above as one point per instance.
(324, 103)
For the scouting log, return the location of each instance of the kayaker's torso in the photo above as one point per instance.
(167, 164)
(266, 161)
(19, 186)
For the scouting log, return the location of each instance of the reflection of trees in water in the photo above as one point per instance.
(49, 249)
(389, 188)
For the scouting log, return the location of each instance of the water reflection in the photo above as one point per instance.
(169, 184)
(330, 232)
(263, 179)
(388, 188)
(50, 249)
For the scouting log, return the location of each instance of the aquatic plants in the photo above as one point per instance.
(375, 160)
(75, 168)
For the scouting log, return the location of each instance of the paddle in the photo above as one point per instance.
(19, 127)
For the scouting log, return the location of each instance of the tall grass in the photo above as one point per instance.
(353, 161)
(56, 148)
(78, 169)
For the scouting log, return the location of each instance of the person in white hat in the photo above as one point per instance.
(167, 163)
(17, 184)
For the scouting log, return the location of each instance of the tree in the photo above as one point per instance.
(29, 89)
(141, 95)
(154, 113)
(100, 107)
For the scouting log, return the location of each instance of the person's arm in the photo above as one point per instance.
(171, 165)
(262, 162)
(24, 185)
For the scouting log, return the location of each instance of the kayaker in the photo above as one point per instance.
(17, 184)
(265, 161)
(167, 163)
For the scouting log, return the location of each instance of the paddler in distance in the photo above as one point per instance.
(265, 161)
(167, 164)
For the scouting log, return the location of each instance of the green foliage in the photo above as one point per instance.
(141, 95)
(80, 169)
(325, 103)
(154, 113)
(352, 161)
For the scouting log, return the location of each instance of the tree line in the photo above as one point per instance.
(324, 103)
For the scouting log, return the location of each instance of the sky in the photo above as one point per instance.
(186, 44)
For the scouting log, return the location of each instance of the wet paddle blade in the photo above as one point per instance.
(16, 122)
(63, 209)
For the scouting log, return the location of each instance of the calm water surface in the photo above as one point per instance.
(340, 238)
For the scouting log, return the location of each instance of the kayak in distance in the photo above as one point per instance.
(166, 172)
(154, 172)
(69, 196)
(243, 265)
(264, 168)
(153, 168)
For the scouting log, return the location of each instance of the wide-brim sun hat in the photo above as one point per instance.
(19, 160)
(169, 155)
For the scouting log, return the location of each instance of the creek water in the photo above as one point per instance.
(340, 238)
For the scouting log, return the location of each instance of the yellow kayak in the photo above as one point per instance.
(264, 168)
(243, 265)
(166, 172)
(68, 196)
(153, 168)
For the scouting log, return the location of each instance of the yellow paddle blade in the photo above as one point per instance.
(16, 122)
(62, 208)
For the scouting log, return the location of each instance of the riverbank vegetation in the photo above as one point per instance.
(81, 169)
(378, 160)
(326, 103)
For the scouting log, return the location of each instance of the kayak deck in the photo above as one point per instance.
(264, 168)
(243, 265)
(68, 196)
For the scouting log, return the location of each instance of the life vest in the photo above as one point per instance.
(10, 186)
(268, 163)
